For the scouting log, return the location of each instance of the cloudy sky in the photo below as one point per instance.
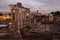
(44, 6)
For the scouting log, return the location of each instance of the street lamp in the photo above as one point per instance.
(27, 14)
(10, 23)
(4, 17)
(8, 17)
(14, 11)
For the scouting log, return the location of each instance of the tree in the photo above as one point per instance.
(0, 13)
(38, 18)
(57, 13)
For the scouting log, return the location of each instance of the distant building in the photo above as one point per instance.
(57, 18)
(5, 17)
(51, 17)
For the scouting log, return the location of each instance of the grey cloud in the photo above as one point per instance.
(4, 5)
(50, 2)
(48, 5)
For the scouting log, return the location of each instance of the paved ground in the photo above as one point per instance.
(33, 36)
